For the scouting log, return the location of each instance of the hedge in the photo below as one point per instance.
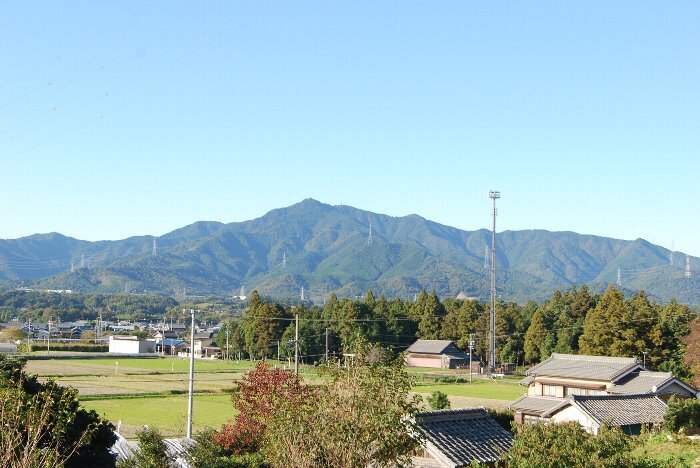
(76, 347)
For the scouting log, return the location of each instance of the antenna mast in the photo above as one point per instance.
(492, 328)
(619, 278)
(688, 273)
(154, 253)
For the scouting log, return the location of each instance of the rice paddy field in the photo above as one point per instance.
(133, 392)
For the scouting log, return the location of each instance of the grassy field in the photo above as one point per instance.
(168, 413)
(493, 390)
(153, 391)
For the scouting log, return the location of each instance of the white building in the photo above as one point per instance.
(131, 345)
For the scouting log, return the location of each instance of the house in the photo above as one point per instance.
(628, 412)
(436, 353)
(457, 438)
(564, 378)
(130, 345)
(170, 346)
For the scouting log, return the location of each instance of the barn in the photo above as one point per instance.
(436, 353)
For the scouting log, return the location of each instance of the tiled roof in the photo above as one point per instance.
(622, 410)
(640, 382)
(463, 436)
(535, 404)
(526, 381)
(429, 346)
(583, 367)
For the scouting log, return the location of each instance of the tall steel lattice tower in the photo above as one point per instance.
(492, 325)
(369, 238)
(688, 273)
(619, 278)
(154, 252)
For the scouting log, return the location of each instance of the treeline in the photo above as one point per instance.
(76, 306)
(575, 321)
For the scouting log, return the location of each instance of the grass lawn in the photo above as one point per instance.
(478, 389)
(167, 413)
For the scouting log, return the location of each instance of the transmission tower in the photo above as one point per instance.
(154, 252)
(284, 260)
(302, 295)
(242, 291)
(688, 273)
(492, 329)
(673, 247)
(72, 266)
(619, 278)
(369, 238)
(82, 260)
(126, 288)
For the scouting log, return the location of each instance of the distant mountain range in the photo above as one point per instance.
(324, 248)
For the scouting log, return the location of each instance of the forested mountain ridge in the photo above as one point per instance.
(325, 248)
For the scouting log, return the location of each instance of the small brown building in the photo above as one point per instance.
(441, 354)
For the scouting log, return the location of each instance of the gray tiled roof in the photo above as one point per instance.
(464, 436)
(535, 404)
(583, 367)
(429, 346)
(640, 382)
(622, 410)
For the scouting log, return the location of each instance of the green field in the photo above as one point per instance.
(168, 413)
(493, 390)
(152, 392)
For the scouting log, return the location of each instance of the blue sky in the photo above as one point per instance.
(140, 117)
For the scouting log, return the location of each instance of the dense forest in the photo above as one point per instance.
(575, 321)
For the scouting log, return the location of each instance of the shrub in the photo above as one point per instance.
(568, 444)
(152, 451)
(682, 414)
(73, 347)
(438, 400)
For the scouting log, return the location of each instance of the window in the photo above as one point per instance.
(549, 390)
(581, 391)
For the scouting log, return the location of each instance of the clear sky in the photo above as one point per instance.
(126, 118)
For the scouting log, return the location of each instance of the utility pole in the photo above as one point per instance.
(471, 351)
(278, 350)
(326, 346)
(645, 359)
(48, 342)
(492, 328)
(228, 355)
(296, 345)
(191, 392)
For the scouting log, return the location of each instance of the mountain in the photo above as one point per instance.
(325, 248)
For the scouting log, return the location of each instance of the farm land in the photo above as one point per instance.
(134, 392)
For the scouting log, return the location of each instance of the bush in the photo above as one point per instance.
(74, 347)
(438, 400)
(504, 418)
(568, 444)
(682, 414)
(67, 430)
(152, 451)
(206, 453)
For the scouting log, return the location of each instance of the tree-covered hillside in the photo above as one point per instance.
(324, 249)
